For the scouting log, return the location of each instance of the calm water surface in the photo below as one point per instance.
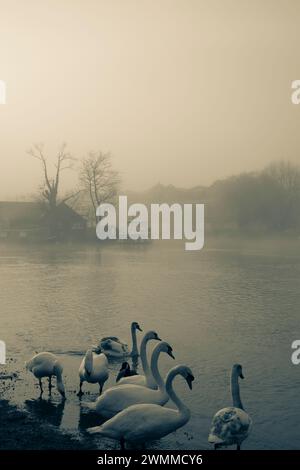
(231, 302)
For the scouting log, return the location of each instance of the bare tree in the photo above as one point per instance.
(51, 184)
(98, 179)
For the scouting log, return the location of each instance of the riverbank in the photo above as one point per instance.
(20, 431)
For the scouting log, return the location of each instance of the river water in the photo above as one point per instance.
(234, 301)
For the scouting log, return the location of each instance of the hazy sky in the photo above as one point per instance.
(179, 91)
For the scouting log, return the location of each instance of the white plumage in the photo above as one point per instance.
(231, 425)
(120, 397)
(46, 364)
(93, 369)
(142, 422)
(113, 347)
(146, 380)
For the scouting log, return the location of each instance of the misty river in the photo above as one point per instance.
(234, 301)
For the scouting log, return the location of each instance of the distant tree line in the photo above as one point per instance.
(259, 202)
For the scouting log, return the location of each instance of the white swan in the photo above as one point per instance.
(93, 369)
(231, 426)
(46, 364)
(112, 346)
(118, 398)
(143, 422)
(146, 380)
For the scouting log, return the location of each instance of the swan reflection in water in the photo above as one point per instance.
(47, 409)
(88, 418)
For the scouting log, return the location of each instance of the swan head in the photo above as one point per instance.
(58, 369)
(165, 347)
(136, 326)
(182, 370)
(188, 375)
(170, 352)
(61, 389)
(152, 335)
(96, 349)
(237, 369)
(190, 378)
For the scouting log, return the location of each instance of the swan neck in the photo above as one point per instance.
(182, 408)
(88, 361)
(59, 380)
(57, 371)
(144, 359)
(235, 391)
(59, 376)
(134, 351)
(155, 372)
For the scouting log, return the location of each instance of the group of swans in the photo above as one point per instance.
(121, 396)
(146, 379)
(134, 406)
(148, 420)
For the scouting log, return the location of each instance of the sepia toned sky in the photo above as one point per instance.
(180, 92)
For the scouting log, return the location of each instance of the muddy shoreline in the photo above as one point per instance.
(20, 431)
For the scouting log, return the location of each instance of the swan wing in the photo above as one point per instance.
(141, 422)
(42, 364)
(229, 426)
(89, 405)
(112, 338)
(94, 370)
(114, 346)
(118, 398)
(133, 379)
(100, 368)
(82, 373)
(100, 361)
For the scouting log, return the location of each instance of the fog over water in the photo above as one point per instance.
(179, 92)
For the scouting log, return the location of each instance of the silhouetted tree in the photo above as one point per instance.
(50, 187)
(98, 180)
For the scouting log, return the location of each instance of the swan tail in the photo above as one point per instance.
(213, 439)
(89, 405)
(29, 365)
(95, 430)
